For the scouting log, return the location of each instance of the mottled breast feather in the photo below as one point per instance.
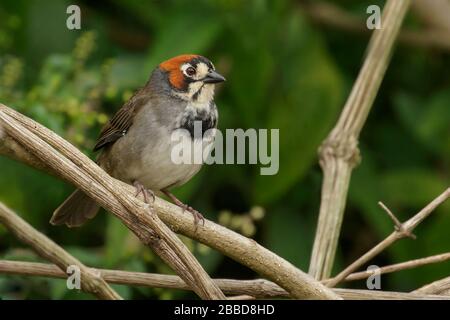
(207, 117)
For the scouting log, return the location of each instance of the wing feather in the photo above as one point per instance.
(121, 122)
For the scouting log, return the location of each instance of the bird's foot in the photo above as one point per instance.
(146, 193)
(197, 215)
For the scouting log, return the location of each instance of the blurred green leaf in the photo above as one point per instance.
(411, 187)
(310, 96)
(185, 30)
(116, 247)
(364, 193)
(427, 119)
(289, 237)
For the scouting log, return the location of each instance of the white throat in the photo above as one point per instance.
(198, 93)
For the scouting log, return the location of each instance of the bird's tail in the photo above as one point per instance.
(75, 210)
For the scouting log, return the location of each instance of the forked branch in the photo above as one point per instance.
(404, 230)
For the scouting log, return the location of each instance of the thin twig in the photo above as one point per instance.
(394, 219)
(244, 250)
(397, 224)
(405, 230)
(352, 294)
(258, 288)
(90, 282)
(339, 153)
(399, 267)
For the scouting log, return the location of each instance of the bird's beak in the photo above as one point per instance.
(213, 77)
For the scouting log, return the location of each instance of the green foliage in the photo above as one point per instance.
(282, 73)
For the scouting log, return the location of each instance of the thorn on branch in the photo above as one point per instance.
(398, 226)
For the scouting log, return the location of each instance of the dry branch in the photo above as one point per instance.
(10, 148)
(440, 287)
(405, 230)
(435, 13)
(69, 163)
(90, 282)
(258, 288)
(146, 225)
(330, 15)
(339, 153)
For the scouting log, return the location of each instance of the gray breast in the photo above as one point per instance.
(158, 168)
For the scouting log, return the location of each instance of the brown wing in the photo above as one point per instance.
(119, 124)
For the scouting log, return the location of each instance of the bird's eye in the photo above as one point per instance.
(190, 71)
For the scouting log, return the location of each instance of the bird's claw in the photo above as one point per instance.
(146, 193)
(197, 215)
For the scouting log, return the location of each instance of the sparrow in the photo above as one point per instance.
(136, 144)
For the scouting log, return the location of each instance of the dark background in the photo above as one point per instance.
(283, 72)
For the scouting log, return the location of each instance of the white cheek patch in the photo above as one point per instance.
(202, 70)
(194, 87)
(198, 91)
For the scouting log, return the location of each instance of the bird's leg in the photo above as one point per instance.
(197, 215)
(146, 193)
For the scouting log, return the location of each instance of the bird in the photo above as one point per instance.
(135, 144)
